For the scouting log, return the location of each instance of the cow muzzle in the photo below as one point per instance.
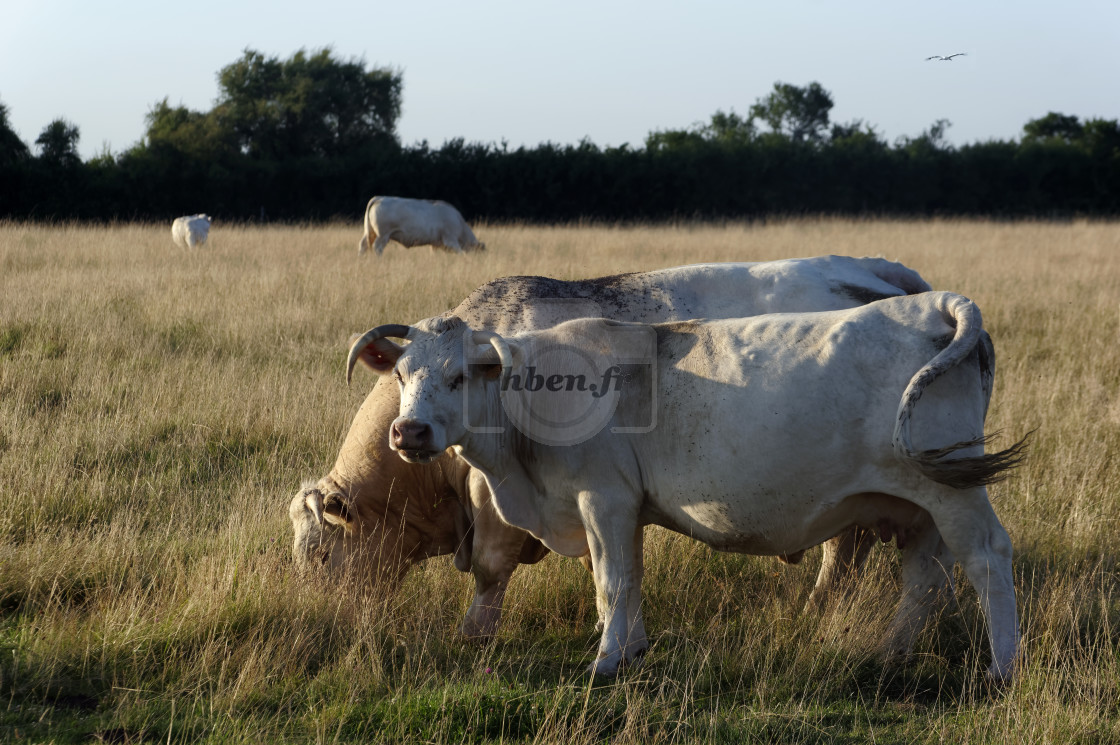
(412, 440)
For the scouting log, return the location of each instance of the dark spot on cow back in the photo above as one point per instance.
(860, 294)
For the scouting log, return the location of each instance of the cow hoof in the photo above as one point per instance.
(614, 664)
(895, 657)
(607, 666)
(816, 603)
(637, 659)
(999, 679)
(481, 622)
(472, 632)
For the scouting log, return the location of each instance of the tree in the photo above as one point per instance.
(727, 128)
(665, 140)
(308, 105)
(1053, 126)
(801, 114)
(193, 133)
(58, 143)
(12, 149)
(856, 130)
(1102, 137)
(931, 140)
(14, 161)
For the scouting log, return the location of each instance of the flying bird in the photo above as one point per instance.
(946, 59)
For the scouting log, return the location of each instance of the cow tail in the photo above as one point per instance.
(938, 464)
(367, 226)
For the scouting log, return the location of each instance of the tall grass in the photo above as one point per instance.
(158, 409)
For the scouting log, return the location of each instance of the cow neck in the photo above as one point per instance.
(514, 490)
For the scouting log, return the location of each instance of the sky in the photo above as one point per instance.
(529, 72)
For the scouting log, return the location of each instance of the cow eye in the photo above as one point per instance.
(458, 381)
(397, 375)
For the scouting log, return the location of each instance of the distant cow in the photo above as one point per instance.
(191, 230)
(763, 435)
(415, 222)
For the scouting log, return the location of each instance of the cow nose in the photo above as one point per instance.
(410, 435)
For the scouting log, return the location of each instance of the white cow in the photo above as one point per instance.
(415, 222)
(378, 515)
(763, 435)
(191, 230)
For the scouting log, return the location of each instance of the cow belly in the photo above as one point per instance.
(793, 493)
(415, 237)
(748, 525)
(723, 527)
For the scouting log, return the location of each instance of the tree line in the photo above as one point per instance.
(312, 137)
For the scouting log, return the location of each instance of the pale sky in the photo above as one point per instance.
(530, 72)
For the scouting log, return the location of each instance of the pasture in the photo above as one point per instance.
(159, 409)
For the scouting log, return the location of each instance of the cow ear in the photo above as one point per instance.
(380, 356)
(310, 500)
(488, 362)
(492, 371)
(335, 510)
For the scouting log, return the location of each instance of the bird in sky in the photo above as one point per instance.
(946, 59)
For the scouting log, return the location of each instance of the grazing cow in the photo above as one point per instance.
(190, 231)
(376, 517)
(762, 435)
(377, 514)
(415, 222)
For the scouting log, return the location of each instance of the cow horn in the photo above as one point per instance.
(398, 330)
(500, 346)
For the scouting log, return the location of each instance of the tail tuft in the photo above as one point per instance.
(965, 473)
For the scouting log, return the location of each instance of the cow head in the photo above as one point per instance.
(333, 534)
(444, 358)
(569, 384)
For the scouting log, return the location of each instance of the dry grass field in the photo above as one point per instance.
(158, 410)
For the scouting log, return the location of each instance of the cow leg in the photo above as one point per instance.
(380, 244)
(639, 560)
(614, 538)
(843, 557)
(585, 560)
(634, 607)
(974, 534)
(927, 567)
(495, 554)
(639, 573)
